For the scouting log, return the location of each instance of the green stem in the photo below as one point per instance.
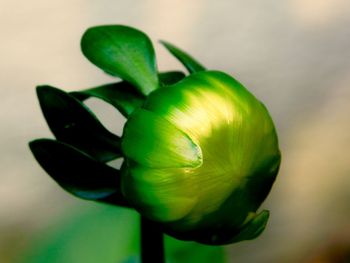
(152, 245)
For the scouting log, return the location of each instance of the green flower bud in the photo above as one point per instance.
(201, 156)
(200, 152)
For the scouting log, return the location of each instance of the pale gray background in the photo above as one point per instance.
(293, 54)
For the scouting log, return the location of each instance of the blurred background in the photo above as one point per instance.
(294, 55)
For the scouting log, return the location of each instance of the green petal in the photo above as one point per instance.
(160, 194)
(152, 141)
(225, 232)
(76, 171)
(71, 122)
(121, 95)
(124, 52)
(253, 228)
(189, 62)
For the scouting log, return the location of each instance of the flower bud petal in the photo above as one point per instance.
(163, 194)
(152, 141)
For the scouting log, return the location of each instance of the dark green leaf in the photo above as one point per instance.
(77, 172)
(124, 52)
(189, 62)
(121, 95)
(171, 77)
(73, 123)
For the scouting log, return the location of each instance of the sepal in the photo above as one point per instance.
(77, 172)
(124, 52)
(121, 95)
(188, 61)
(73, 123)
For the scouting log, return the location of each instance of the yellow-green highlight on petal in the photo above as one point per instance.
(152, 141)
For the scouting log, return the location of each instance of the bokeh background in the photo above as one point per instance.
(294, 55)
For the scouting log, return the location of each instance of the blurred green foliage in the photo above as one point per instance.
(107, 234)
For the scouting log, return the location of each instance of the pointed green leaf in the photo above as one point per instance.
(73, 123)
(189, 62)
(124, 52)
(121, 95)
(77, 172)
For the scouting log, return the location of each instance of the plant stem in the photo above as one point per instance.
(152, 245)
